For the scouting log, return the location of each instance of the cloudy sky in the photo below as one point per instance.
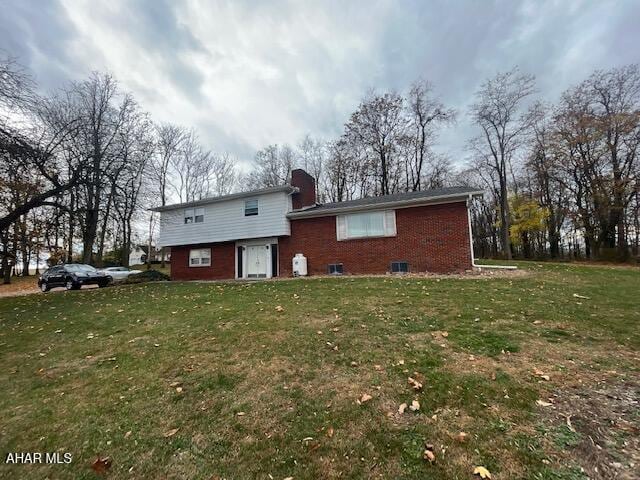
(248, 74)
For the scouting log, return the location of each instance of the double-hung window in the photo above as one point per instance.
(194, 215)
(200, 257)
(379, 223)
(250, 207)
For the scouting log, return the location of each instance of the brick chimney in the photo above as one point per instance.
(306, 184)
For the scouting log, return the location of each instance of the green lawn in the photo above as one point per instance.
(255, 392)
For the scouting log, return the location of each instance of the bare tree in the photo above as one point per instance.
(497, 112)
(379, 125)
(425, 114)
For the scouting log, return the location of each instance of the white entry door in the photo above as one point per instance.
(257, 261)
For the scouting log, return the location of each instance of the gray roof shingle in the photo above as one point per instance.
(397, 199)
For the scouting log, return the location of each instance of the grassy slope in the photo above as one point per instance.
(78, 370)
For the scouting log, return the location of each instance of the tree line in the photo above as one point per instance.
(561, 180)
(80, 166)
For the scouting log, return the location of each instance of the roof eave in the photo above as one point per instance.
(416, 202)
(224, 198)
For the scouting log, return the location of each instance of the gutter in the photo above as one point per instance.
(473, 260)
(415, 202)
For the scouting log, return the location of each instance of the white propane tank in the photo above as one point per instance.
(299, 265)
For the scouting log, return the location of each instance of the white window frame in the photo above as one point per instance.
(256, 208)
(189, 216)
(389, 222)
(197, 255)
(198, 213)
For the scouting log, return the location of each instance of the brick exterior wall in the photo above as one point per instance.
(222, 262)
(432, 238)
(307, 186)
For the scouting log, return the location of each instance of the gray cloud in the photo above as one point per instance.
(246, 74)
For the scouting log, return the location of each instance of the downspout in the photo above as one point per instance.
(473, 260)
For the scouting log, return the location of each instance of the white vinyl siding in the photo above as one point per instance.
(225, 221)
(380, 223)
(200, 257)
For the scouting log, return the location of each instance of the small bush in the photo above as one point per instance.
(148, 276)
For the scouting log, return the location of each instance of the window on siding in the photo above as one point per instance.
(199, 215)
(200, 257)
(380, 223)
(250, 208)
(188, 215)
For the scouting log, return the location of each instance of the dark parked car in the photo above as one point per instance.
(72, 276)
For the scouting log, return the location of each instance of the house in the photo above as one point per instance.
(138, 254)
(256, 234)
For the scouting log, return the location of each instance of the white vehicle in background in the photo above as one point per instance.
(119, 273)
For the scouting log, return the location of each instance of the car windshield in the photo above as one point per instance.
(80, 268)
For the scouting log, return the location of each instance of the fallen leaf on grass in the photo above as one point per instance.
(445, 334)
(240, 414)
(170, 433)
(428, 453)
(279, 308)
(483, 472)
(364, 398)
(128, 434)
(542, 403)
(462, 437)
(101, 465)
(402, 408)
(330, 432)
(575, 295)
(415, 406)
(416, 385)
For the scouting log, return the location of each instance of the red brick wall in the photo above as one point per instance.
(307, 186)
(432, 238)
(222, 262)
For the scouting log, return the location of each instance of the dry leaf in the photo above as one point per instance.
(428, 453)
(171, 432)
(445, 334)
(575, 295)
(128, 434)
(415, 406)
(542, 403)
(179, 389)
(101, 465)
(279, 308)
(416, 385)
(364, 398)
(330, 432)
(240, 414)
(402, 408)
(378, 367)
(483, 472)
(462, 437)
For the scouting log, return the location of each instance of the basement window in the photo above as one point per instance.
(399, 267)
(335, 269)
